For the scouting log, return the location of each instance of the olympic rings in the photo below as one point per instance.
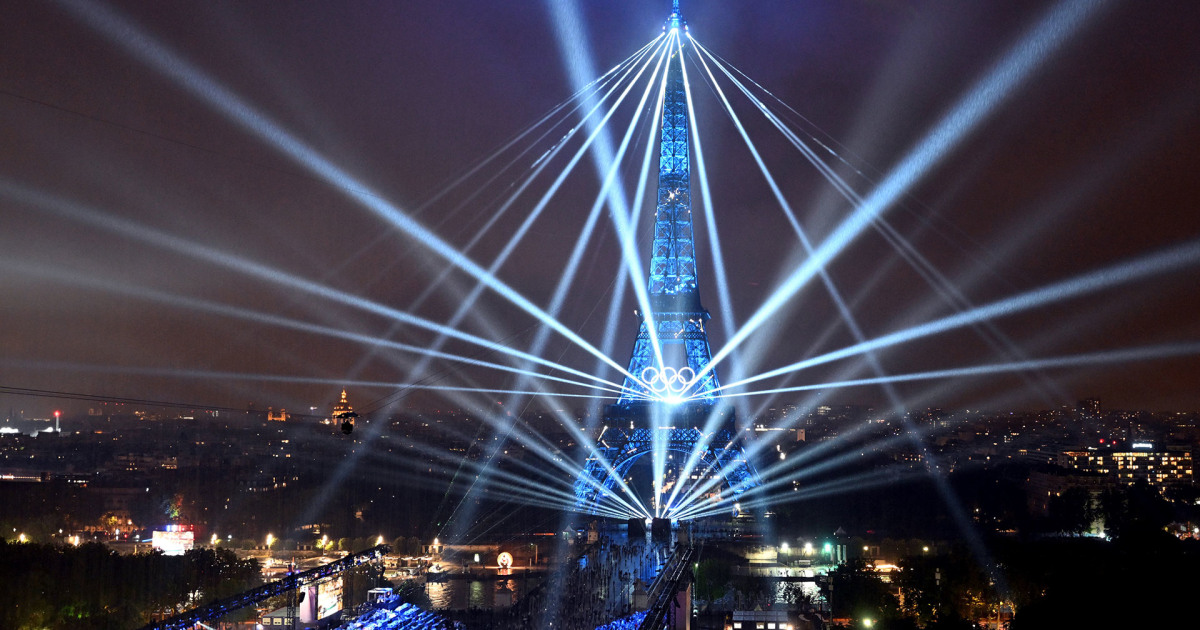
(669, 379)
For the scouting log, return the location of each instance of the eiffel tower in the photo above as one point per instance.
(674, 392)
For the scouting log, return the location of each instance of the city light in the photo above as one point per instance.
(856, 309)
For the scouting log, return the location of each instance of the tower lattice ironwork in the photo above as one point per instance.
(676, 316)
(671, 353)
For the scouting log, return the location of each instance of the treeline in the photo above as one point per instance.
(1048, 584)
(405, 546)
(91, 587)
(1142, 577)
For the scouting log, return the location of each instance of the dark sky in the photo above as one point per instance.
(1089, 162)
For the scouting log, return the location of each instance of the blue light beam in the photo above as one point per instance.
(1051, 32)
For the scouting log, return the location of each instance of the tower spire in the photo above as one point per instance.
(678, 317)
(665, 402)
(675, 20)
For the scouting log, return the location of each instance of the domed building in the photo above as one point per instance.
(340, 407)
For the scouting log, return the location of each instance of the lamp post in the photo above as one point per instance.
(830, 577)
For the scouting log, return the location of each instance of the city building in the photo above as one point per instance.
(340, 407)
(1141, 461)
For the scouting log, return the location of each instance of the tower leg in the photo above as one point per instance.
(682, 609)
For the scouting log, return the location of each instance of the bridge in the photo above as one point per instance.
(189, 619)
(675, 579)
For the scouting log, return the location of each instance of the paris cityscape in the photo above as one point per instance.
(599, 316)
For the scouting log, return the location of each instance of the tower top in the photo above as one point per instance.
(675, 20)
(342, 406)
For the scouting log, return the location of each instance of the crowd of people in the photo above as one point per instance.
(625, 623)
(391, 614)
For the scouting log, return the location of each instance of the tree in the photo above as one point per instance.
(65, 587)
(712, 579)
(796, 597)
(948, 588)
(856, 591)
(1071, 512)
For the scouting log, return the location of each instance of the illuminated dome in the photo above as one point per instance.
(340, 407)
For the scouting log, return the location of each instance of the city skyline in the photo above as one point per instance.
(1082, 168)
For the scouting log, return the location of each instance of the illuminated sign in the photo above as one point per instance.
(173, 542)
(1143, 445)
(329, 597)
(505, 560)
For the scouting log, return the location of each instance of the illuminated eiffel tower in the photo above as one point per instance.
(674, 392)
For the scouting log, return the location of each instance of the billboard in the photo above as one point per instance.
(329, 597)
(175, 541)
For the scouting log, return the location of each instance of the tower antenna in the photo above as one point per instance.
(675, 20)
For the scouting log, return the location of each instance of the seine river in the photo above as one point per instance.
(479, 594)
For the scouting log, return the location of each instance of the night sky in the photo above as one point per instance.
(1092, 161)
